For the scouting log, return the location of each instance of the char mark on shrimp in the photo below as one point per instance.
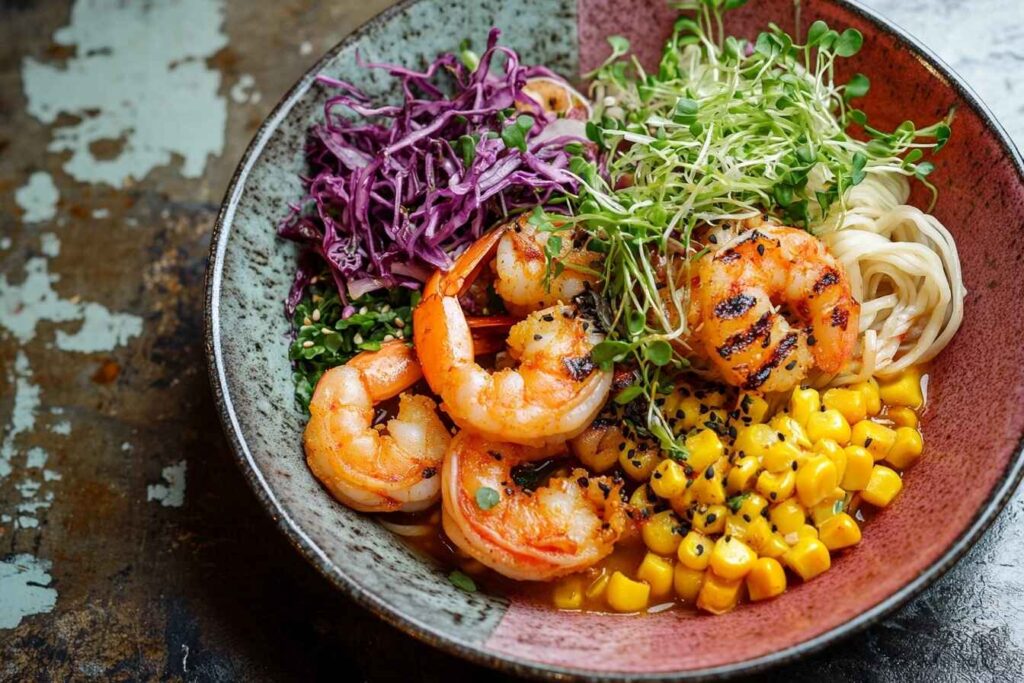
(828, 279)
(741, 340)
(781, 352)
(735, 306)
(840, 317)
(579, 368)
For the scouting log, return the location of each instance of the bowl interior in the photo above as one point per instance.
(972, 426)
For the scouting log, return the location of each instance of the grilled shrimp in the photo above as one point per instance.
(734, 299)
(560, 528)
(520, 264)
(551, 396)
(362, 467)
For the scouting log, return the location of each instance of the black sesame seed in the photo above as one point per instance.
(699, 549)
(583, 482)
(548, 318)
(793, 465)
(782, 437)
(709, 473)
(867, 442)
(746, 518)
(538, 337)
(429, 472)
(773, 495)
(711, 518)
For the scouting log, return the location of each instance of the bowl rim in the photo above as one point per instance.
(1005, 486)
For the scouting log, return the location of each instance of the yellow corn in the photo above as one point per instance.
(643, 500)
(695, 551)
(758, 534)
(687, 582)
(805, 531)
(850, 402)
(683, 411)
(709, 490)
(828, 424)
(657, 572)
(605, 453)
(902, 416)
(710, 519)
(718, 595)
(627, 595)
(859, 462)
(705, 449)
(903, 390)
(660, 532)
(638, 462)
(754, 440)
(815, 480)
(788, 516)
(597, 587)
(775, 546)
(790, 429)
(766, 579)
(782, 455)
(872, 401)
(731, 558)
(776, 486)
(839, 531)
(802, 403)
(875, 437)
(882, 487)
(568, 593)
(831, 506)
(906, 448)
(741, 475)
(735, 527)
(752, 505)
(753, 406)
(835, 453)
(668, 479)
(808, 558)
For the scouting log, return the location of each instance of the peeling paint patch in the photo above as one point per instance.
(38, 198)
(36, 458)
(245, 90)
(170, 493)
(63, 428)
(24, 589)
(49, 244)
(5, 243)
(139, 87)
(23, 416)
(25, 305)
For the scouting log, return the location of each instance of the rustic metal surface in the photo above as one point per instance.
(130, 547)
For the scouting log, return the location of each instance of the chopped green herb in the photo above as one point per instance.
(462, 582)
(487, 498)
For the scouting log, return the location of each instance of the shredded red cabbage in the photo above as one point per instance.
(395, 191)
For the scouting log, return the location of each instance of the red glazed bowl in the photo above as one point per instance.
(972, 426)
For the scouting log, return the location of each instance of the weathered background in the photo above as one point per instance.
(130, 547)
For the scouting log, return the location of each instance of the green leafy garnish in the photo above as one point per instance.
(462, 582)
(487, 498)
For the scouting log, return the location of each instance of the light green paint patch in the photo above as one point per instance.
(24, 305)
(170, 493)
(24, 589)
(36, 458)
(63, 428)
(28, 522)
(142, 66)
(49, 244)
(23, 416)
(37, 198)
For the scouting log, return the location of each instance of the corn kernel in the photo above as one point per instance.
(828, 424)
(906, 448)
(684, 412)
(754, 440)
(790, 429)
(808, 558)
(597, 587)
(718, 595)
(695, 551)
(710, 519)
(835, 453)
(752, 505)
(683, 505)
(598, 449)
(839, 531)
(638, 462)
(776, 486)
(735, 526)
(766, 579)
(775, 546)
(660, 532)
(902, 416)
(830, 507)
(657, 572)
(903, 390)
(568, 593)
(753, 406)
(805, 531)
(731, 558)
(802, 403)
(668, 479)
(705, 449)
(849, 402)
(627, 595)
(872, 401)
(742, 474)
(882, 487)
(757, 534)
(877, 438)
(815, 480)
(859, 462)
(687, 582)
(781, 457)
(708, 490)
(643, 500)
(788, 516)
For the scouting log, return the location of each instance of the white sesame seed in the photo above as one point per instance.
(358, 338)
(306, 344)
(316, 315)
(399, 323)
(363, 310)
(389, 337)
(385, 309)
(609, 101)
(400, 334)
(306, 321)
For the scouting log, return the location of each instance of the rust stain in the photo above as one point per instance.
(107, 372)
(106, 149)
(224, 59)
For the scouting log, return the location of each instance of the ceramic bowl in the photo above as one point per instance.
(973, 423)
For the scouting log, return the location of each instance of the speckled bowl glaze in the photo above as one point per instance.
(973, 424)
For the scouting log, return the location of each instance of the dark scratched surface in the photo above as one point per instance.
(130, 546)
